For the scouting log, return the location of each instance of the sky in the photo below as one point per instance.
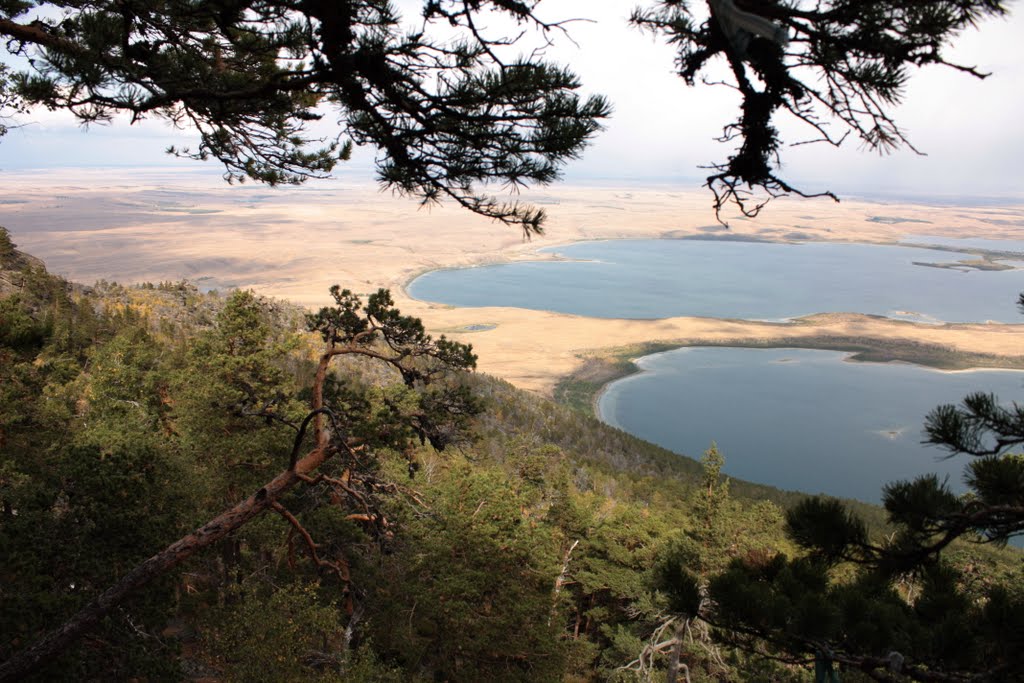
(662, 131)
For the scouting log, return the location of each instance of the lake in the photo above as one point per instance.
(797, 418)
(723, 279)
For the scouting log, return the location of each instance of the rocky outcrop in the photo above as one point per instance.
(15, 265)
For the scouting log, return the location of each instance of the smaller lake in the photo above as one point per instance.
(725, 279)
(797, 418)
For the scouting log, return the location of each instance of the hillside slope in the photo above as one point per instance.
(533, 547)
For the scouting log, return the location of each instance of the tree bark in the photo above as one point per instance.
(560, 579)
(35, 34)
(672, 675)
(61, 638)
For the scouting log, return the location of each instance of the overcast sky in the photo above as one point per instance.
(662, 130)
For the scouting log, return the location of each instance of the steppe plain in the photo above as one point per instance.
(295, 242)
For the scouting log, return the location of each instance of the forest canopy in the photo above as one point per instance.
(452, 106)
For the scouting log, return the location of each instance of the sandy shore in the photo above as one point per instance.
(296, 242)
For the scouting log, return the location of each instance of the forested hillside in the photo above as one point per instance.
(454, 529)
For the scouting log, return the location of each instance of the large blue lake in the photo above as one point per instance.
(720, 279)
(797, 418)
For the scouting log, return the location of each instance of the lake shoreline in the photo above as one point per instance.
(797, 418)
(582, 389)
(867, 337)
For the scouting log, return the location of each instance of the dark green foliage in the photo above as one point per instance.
(423, 405)
(244, 354)
(680, 585)
(125, 383)
(913, 505)
(115, 443)
(714, 494)
(228, 402)
(997, 481)
(76, 522)
(824, 526)
(86, 487)
(980, 427)
(467, 594)
(793, 608)
(19, 332)
(346, 326)
(291, 633)
(986, 430)
(845, 61)
(775, 595)
(6, 245)
(342, 323)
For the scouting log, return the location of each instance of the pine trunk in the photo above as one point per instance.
(673, 659)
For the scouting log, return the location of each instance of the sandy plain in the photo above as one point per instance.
(293, 243)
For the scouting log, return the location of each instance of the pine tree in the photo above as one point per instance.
(908, 612)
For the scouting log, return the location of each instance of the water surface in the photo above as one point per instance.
(797, 418)
(722, 279)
